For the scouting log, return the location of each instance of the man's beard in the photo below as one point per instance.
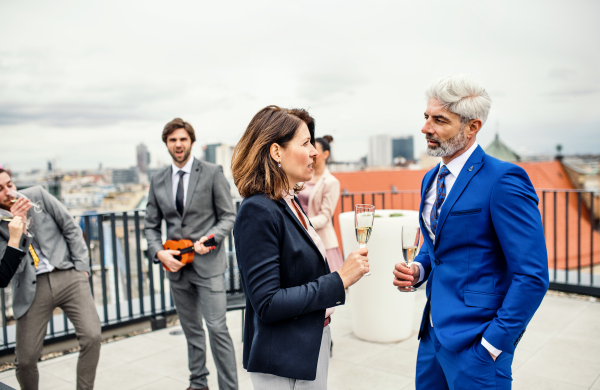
(449, 147)
(185, 157)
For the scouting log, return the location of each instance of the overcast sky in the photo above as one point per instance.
(85, 82)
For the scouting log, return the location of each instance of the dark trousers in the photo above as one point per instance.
(69, 290)
(470, 369)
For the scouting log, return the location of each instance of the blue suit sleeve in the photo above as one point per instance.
(518, 225)
(257, 248)
(425, 261)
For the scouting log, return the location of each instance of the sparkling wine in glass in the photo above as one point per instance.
(364, 215)
(37, 206)
(411, 238)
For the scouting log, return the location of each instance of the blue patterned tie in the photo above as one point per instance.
(440, 197)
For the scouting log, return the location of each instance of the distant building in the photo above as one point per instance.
(152, 172)
(143, 158)
(427, 162)
(125, 176)
(380, 151)
(210, 153)
(223, 156)
(220, 154)
(403, 147)
(502, 152)
(340, 166)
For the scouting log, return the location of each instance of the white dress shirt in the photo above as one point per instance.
(454, 166)
(187, 168)
(44, 265)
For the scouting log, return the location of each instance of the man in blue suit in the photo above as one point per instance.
(484, 254)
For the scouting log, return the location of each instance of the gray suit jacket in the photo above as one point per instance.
(208, 210)
(59, 238)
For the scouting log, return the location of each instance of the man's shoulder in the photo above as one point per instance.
(160, 174)
(208, 167)
(500, 166)
(35, 192)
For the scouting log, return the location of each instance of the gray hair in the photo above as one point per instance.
(462, 95)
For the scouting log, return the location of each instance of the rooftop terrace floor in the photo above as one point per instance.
(560, 350)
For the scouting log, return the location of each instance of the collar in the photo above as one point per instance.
(290, 196)
(187, 168)
(456, 165)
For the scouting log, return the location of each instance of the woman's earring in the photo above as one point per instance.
(279, 164)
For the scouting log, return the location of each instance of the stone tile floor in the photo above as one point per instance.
(561, 350)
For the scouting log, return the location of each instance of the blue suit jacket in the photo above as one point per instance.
(487, 271)
(288, 286)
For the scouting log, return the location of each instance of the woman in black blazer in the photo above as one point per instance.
(284, 272)
(12, 255)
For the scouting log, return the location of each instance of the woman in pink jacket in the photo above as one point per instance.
(319, 198)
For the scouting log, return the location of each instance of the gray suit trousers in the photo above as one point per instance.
(262, 381)
(197, 298)
(69, 290)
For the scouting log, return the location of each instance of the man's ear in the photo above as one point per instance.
(473, 127)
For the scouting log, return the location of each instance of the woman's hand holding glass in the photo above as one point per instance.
(355, 266)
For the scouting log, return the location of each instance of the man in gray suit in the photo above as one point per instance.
(53, 274)
(193, 198)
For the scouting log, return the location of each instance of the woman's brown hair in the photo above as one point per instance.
(253, 168)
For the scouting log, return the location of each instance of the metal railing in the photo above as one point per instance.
(570, 221)
(126, 285)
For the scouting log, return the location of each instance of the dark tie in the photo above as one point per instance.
(179, 196)
(440, 197)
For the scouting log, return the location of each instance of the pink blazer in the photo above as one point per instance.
(322, 202)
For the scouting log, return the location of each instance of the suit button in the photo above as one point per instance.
(33, 282)
(183, 225)
(437, 262)
(32, 263)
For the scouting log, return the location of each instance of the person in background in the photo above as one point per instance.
(13, 255)
(319, 198)
(53, 274)
(194, 200)
(290, 291)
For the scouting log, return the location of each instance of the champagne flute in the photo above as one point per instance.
(411, 237)
(5, 216)
(364, 215)
(37, 206)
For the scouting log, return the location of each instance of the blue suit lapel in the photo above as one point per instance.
(469, 170)
(427, 180)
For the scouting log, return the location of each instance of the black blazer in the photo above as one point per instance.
(9, 264)
(288, 286)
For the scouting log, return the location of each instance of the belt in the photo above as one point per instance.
(327, 321)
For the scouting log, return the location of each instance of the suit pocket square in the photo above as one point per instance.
(465, 212)
(485, 300)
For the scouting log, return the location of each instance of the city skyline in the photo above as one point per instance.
(86, 94)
